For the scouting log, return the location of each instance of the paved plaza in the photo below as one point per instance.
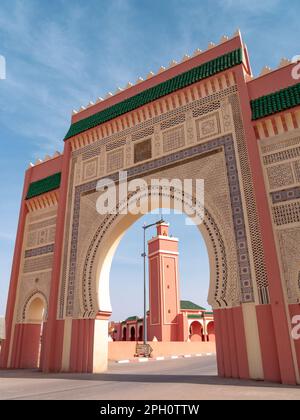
(180, 379)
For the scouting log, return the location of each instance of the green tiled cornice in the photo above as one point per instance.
(44, 185)
(275, 102)
(183, 80)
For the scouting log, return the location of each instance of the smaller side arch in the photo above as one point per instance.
(28, 334)
(32, 314)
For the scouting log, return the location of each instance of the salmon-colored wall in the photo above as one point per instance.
(208, 55)
(33, 174)
(81, 355)
(163, 244)
(183, 328)
(231, 345)
(26, 346)
(268, 343)
(126, 350)
(45, 169)
(271, 82)
(277, 298)
(155, 297)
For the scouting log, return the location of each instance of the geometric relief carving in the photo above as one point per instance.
(226, 115)
(115, 160)
(288, 194)
(102, 161)
(296, 166)
(40, 233)
(255, 236)
(128, 152)
(51, 234)
(281, 156)
(208, 127)
(157, 141)
(38, 264)
(283, 144)
(31, 240)
(286, 213)
(143, 133)
(226, 143)
(41, 215)
(190, 128)
(280, 175)
(42, 237)
(179, 119)
(115, 145)
(90, 169)
(40, 225)
(142, 151)
(173, 139)
(289, 244)
(39, 251)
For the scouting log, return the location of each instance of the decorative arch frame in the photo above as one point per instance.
(212, 235)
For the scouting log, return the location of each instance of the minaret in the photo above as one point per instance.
(163, 285)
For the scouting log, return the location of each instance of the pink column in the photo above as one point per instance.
(268, 343)
(81, 355)
(55, 328)
(183, 327)
(232, 343)
(219, 343)
(282, 334)
(240, 340)
(26, 346)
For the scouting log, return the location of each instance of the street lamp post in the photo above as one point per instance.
(144, 255)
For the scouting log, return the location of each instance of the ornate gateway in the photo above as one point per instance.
(205, 118)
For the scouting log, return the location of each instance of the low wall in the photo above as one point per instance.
(123, 350)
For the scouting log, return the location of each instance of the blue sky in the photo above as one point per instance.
(62, 54)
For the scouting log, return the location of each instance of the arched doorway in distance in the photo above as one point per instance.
(140, 338)
(196, 331)
(132, 334)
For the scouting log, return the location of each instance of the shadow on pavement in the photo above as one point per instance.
(143, 378)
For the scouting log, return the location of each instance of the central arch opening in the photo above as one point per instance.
(125, 292)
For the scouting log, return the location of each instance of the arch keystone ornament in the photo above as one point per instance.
(205, 118)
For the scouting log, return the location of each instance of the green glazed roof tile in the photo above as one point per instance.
(132, 318)
(195, 316)
(186, 304)
(44, 185)
(276, 102)
(183, 80)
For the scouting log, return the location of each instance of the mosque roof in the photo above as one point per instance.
(187, 304)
